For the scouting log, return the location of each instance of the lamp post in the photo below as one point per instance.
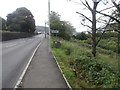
(49, 22)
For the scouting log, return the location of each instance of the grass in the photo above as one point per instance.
(83, 71)
(9, 31)
(4, 31)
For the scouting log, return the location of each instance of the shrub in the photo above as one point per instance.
(81, 36)
(79, 66)
(68, 51)
(67, 37)
(97, 73)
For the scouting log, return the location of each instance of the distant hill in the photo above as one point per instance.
(41, 28)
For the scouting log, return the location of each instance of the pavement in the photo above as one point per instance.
(43, 71)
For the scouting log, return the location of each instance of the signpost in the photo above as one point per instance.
(55, 32)
(56, 43)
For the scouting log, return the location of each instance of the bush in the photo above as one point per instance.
(66, 37)
(82, 70)
(81, 36)
(68, 51)
(97, 73)
(109, 44)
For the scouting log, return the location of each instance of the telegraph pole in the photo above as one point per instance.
(49, 22)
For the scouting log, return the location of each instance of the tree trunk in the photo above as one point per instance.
(94, 29)
(94, 33)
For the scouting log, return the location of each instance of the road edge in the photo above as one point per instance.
(26, 68)
(69, 86)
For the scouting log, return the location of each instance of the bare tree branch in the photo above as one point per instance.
(84, 16)
(103, 32)
(117, 31)
(117, 6)
(100, 18)
(86, 26)
(84, 3)
(88, 6)
(102, 21)
(106, 8)
(109, 16)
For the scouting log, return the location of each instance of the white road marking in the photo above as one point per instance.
(23, 73)
(11, 45)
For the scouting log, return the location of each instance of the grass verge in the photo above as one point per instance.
(83, 71)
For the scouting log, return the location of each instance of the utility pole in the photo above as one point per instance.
(45, 29)
(49, 22)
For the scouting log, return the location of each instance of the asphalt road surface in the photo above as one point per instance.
(15, 56)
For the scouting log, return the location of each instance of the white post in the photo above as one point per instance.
(49, 22)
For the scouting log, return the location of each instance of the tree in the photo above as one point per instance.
(21, 20)
(54, 17)
(115, 26)
(93, 20)
(65, 28)
(4, 27)
(114, 21)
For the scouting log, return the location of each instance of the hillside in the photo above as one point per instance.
(41, 28)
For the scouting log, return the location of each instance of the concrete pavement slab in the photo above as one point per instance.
(43, 71)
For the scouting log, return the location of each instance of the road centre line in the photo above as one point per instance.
(11, 45)
(23, 41)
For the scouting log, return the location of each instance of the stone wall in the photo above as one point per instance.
(14, 35)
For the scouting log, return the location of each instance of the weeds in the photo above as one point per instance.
(83, 71)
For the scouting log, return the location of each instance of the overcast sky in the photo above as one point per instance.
(39, 9)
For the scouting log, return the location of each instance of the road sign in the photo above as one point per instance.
(54, 31)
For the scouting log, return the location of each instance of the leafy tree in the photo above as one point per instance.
(54, 17)
(65, 28)
(4, 27)
(21, 20)
(115, 26)
(115, 19)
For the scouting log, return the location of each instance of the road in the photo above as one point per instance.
(15, 55)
